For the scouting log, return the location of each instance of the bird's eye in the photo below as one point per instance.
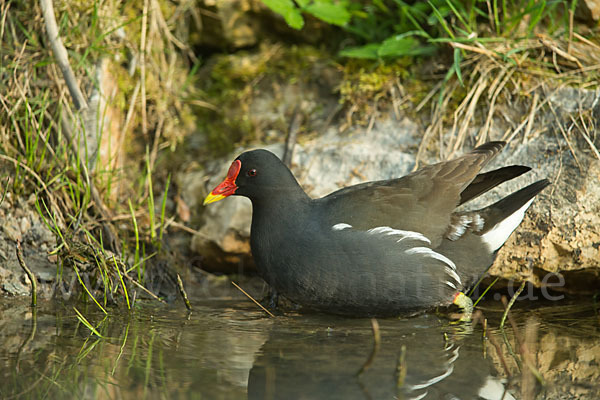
(252, 172)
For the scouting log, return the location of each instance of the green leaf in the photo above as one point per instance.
(456, 66)
(368, 51)
(332, 13)
(288, 10)
(397, 46)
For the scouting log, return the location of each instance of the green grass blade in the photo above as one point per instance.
(485, 291)
(163, 208)
(122, 283)
(137, 241)
(88, 292)
(85, 322)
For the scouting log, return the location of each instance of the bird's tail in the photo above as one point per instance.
(503, 217)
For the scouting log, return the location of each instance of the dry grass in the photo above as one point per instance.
(78, 154)
(504, 77)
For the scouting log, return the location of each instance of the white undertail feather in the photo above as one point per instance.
(496, 237)
(473, 222)
(477, 223)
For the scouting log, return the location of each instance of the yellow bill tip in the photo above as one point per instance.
(211, 198)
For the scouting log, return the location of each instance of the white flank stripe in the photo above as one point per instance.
(451, 285)
(426, 251)
(453, 274)
(496, 237)
(340, 227)
(405, 234)
(380, 229)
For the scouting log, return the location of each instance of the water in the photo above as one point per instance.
(232, 350)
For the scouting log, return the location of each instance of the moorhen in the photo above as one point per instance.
(377, 248)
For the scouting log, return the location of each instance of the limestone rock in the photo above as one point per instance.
(589, 8)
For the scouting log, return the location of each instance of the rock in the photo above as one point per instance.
(589, 9)
(23, 223)
(15, 288)
(4, 274)
(559, 234)
(11, 230)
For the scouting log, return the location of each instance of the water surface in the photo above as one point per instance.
(232, 350)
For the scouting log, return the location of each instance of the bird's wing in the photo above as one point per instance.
(421, 202)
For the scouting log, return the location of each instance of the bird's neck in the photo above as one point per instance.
(274, 223)
(279, 204)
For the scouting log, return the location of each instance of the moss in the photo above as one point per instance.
(368, 85)
(235, 80)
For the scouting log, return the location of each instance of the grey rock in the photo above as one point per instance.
(15, 288)
(589, 9)
(11, 230)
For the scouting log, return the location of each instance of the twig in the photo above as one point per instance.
(586, 134)
(29, 338)
(565, 136)
(556, 50)
(30, 274)
(136, 283)
(571, 16)
(507, 138)
(183, 293)
(586, 41)
(252, 298)
(503, 362)
(469, 105)
(290, 140)
(474, 49)
(376, 345)
(60, 52)
(185, 228)
(528, 354)
(531, 116)
(495, 90)
(143, 66)
(511, 302)
(62, 59)
(484, 335)
(401, 367)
